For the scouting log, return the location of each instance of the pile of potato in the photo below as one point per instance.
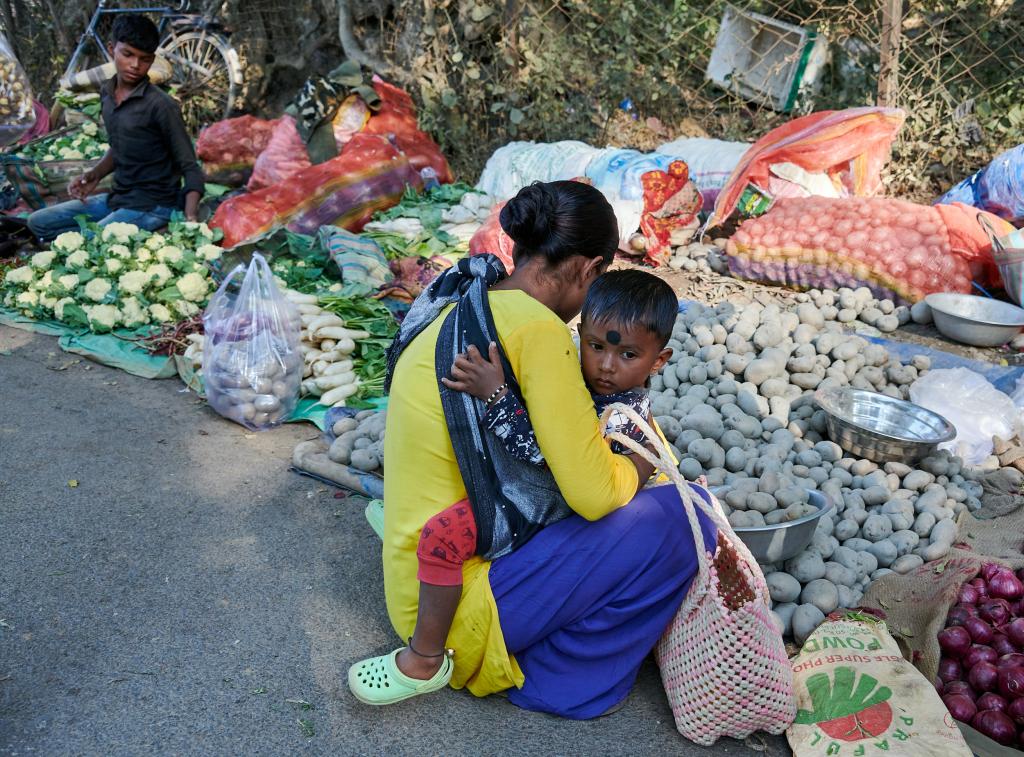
(359, 441)
(15, 93)
(737, 402)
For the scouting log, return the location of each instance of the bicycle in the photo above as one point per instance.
(206, 74)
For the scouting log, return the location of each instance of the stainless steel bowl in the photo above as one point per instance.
(782, 541)
(881, 428)
(980, 321)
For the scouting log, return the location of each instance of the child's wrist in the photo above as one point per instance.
(495, 395)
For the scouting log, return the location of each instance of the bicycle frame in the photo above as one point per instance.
(90, 35)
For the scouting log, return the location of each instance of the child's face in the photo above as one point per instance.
(132, 64)
(616, 358)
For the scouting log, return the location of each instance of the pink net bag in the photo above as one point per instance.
(723, 662)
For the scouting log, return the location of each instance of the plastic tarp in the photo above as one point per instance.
(997, 188)
(851, 146)
(519, 164)
(115, 350)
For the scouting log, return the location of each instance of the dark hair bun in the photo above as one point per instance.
(529, 217)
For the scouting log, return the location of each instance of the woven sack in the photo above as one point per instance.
(722, 659)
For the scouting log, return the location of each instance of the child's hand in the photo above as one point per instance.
(476, 375)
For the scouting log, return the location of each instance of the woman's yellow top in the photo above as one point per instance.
(422, 477)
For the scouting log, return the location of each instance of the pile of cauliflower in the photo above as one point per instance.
(118, 276)
(87, 143)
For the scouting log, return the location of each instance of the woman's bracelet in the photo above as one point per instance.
(494, 395)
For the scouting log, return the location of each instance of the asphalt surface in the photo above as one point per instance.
(167, 586)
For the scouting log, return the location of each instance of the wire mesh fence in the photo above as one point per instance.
(632, 72)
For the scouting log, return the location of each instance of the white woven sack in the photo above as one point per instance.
(722, 659)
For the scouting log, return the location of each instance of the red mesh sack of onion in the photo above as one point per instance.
(900, 250)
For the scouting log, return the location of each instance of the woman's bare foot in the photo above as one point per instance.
(415, 666)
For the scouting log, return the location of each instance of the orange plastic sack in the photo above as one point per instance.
(491, 238)
(369, 175)
(397, 117)
(898, 249)
(284, 156)
(229, 148)
(851, 146)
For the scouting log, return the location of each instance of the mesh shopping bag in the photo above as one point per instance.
(722, 659)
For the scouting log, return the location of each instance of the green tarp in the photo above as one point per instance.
(116, 349)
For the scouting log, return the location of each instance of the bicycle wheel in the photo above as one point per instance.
(206, 76)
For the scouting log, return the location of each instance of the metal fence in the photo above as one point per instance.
(633, 72)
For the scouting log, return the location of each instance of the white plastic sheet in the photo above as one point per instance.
(968, 401)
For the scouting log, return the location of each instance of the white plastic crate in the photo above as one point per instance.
(766, 61)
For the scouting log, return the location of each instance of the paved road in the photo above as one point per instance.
(191, 596)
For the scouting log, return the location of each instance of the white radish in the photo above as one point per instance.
(325, 319)
(327, 344)
(333, 369)
(336, 380)
(300, 299)
(339, 332)
(336, 396)
(311, 309)
(309, 387)
(311, 355)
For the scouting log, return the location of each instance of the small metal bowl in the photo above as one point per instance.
(881, 428)
(980, 321)
(782, 541)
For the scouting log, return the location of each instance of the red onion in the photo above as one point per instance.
(960, 707)
(957, 616)
(1017, 608)
(1011, 681)
(1015, 632)
(991, 701)
(1014, 659)
(959, 687)
(955, 641)
(983, 677)
(980, 631)
(996, 725)
(989, 569)
(994, 611)
(968, 595)
(950, 670)
(1003, 583)
(980, 585)
(1002, 645)
(939, 685)
(979, 653)
(1016, 711)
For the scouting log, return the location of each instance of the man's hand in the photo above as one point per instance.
(192, 206)
(474, 374)
(83, 186)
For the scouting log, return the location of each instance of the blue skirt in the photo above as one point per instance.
(583, 603)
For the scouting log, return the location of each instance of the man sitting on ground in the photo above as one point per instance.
(150, 149)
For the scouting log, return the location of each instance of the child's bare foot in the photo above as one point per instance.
(415, 666)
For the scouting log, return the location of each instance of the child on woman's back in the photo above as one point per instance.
(626, 322)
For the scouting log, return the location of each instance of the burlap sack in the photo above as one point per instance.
(915, 605)
(856, 695)
(92, 79)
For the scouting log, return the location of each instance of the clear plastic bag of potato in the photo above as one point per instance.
(252, 366)
(17, 115)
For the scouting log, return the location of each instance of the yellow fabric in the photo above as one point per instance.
(422, 477)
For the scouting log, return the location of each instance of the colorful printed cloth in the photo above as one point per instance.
(671, 201)
(508, 420)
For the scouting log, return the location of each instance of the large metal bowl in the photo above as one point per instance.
(782, 541)
(980, 321)
(881, 428)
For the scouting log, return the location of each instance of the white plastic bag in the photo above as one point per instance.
(17, 115)
(252, 366)
(968, 401)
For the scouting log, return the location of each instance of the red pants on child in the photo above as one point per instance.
(447, 540)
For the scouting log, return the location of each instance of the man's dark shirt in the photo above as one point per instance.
(152, 150)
